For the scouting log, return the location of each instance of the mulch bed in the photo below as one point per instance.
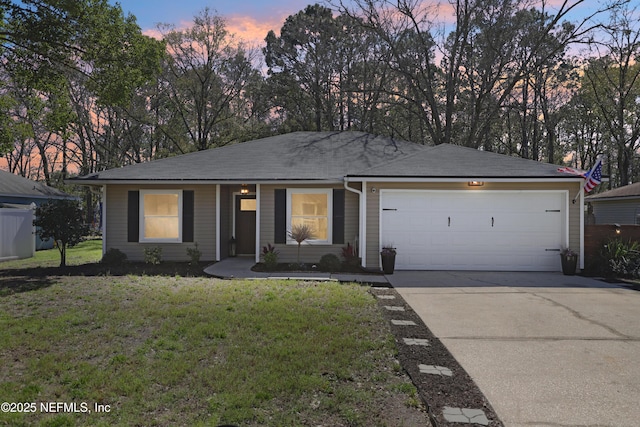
(183, 269)
(313, 267)
(436, 391)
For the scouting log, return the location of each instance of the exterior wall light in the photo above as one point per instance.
(476, 183)
(244, 189)
(618, 228)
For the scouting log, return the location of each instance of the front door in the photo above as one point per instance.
(245, 231)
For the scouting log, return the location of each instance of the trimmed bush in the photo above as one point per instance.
(194, 254)
(330, 263)
(114, 257)
(153, 255)
(270, 256)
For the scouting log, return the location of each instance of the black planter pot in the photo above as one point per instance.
(388, 262)
(569, 264)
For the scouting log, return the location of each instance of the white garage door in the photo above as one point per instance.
(474, 230)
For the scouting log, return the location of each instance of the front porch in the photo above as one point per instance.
(249, 216)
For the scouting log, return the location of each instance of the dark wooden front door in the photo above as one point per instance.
(245, 231)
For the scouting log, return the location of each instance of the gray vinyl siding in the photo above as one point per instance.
(204, 223)
(616, 211)
(308, 252)
(373, 208)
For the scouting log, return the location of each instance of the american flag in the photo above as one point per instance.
(594, 177)
(572, 171)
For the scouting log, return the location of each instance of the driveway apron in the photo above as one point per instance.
(545, 349)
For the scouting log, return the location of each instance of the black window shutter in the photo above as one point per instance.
(280, 213)
(338, 217)
(187, 215)
(133, 216)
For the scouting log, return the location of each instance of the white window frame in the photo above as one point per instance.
(142, 238)
(329, 193)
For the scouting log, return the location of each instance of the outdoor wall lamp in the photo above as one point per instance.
(618, 228)
(476, 183)
(244, 189)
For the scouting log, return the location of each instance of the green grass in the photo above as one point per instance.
(89, 251)
(197, 351)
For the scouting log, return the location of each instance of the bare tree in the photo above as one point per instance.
(462, 79)
(612, 78)
(206, 74)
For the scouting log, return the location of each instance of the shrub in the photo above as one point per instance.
(153, 255)
(270, 256)
(349, 254)
(330, 263)
(114, 257)
(271, 261)
(621, 258)
(194, 254)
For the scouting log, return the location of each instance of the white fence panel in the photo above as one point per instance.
(17, 234)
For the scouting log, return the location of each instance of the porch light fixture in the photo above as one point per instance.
(476, 183)
(244, 189)
(618, 229)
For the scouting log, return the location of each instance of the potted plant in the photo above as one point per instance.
(569, 261)
(388, 255)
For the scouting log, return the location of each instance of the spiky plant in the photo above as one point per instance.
(300, 233)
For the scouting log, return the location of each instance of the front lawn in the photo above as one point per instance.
(88, 251)
(197, 351)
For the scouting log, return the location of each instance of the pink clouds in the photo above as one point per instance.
(252, 30)
(247, 29)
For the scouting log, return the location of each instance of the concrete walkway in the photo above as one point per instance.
(240, 268)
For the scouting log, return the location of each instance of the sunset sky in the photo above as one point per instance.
(250, 20)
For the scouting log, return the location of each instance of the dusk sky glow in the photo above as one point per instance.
(250, 20)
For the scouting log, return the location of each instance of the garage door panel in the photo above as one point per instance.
(474, 230)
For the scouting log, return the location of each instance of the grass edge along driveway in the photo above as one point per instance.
(198, 351)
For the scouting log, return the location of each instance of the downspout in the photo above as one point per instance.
(258, 215)
(217, 256)
(103, 219)
(581, 207)
(362, 237)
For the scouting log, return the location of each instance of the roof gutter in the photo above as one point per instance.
(460, 179)
(100, 182)
(596, 199)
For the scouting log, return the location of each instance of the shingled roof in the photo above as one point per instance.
(16, 186)
(454, 161)
(295, 156)
(328, 156)
(627, 192)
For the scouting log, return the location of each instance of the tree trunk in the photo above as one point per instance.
(62, 247)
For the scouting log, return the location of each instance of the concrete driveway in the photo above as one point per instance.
(545, 349)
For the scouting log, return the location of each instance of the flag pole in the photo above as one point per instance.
(577, 195)
(588, 176)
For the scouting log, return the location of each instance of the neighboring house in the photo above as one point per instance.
(17, 191)
(442, 207)
(618, 206)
